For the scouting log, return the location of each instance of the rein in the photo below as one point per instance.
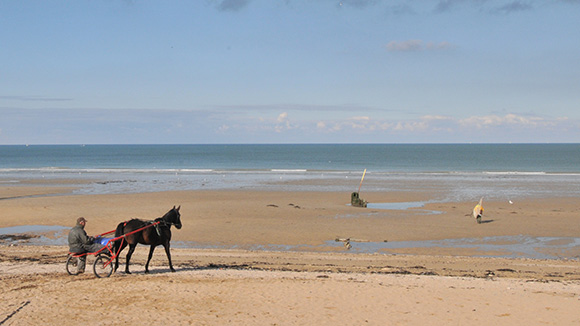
(152, 223)
(148, 224)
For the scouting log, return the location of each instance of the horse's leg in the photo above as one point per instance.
(151, 249)
(117, 252)
(131, 249)
(116, 260)
(168, 253)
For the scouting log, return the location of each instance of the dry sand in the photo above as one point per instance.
(430, 286)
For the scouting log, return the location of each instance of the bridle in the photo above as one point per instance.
(167, 223)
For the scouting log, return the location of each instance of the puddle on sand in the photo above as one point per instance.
(31, 228)
(502, 246)
(404, 206)
(35, 235)
(400, 206)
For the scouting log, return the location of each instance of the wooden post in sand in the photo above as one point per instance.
(355, 200)
(361, 180)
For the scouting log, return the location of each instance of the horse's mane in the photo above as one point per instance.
(159, 219)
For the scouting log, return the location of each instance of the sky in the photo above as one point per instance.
(289, 71)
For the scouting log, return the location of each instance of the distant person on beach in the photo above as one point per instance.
(79, 242)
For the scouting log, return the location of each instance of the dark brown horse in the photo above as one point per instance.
(152, 233)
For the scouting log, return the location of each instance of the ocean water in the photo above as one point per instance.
(454, 171)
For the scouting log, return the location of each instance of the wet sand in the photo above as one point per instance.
(315, 284)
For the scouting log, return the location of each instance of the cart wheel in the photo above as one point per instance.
(72, 264)
(103, 266)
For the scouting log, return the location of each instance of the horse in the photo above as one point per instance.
(154, 233)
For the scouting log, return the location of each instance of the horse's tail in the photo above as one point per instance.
(119, 232)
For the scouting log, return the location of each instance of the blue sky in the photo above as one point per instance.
(289, 71)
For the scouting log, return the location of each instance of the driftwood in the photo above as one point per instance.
(347, 241)
(350, 239)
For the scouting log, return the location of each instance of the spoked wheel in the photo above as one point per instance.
(103, 266)
(72, 265)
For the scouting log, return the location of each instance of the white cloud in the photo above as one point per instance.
(436, 117)
(417, 46)
(140, 126)
(508, 119)
(412, 126)
(405, 46)
(361, 123)
(233, 5)
(282, 117)
(283, 123)
(431, 127)
(439, 46)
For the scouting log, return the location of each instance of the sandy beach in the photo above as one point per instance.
(228, 281)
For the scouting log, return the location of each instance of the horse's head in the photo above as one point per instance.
(174, 217)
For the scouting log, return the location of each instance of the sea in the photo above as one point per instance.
(452, 171)
(447, 172)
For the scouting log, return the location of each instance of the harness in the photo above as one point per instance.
(156, 224)
(124, 236)
(160, 222)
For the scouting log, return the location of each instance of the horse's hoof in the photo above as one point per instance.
(173, 270)
(146, 271)
(127, 272)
